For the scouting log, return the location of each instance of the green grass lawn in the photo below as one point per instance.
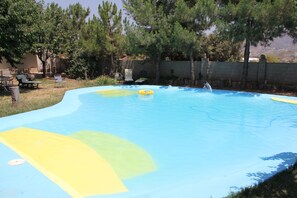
(282, 185)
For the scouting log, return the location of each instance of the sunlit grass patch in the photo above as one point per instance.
(46, 95)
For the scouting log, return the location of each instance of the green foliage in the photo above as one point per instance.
(133, 39)
(102, 41)
(105, 80)
(152, 32)
(164, 27)
(110, 21)
(78, 66)
(159, 28)
(17, 28)
(92, 34)
(218, 49)
(254, 22)
(184, 40)
(51, 37)
(290, 18)
(191, 20)
(76, 15)
(92, 47)
(75, 21)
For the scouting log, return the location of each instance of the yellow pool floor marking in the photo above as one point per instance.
(127, 159)
(74, 166)
(290, 101)
(116, 92)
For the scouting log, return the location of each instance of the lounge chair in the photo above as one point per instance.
(142, 77)
(24, 82)
(128, 76)
(59, 81)
(141, 81)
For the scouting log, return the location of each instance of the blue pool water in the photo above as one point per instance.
(204, 144)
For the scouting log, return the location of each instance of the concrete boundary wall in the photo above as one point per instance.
(282, 73)
(180, 69)
(260, 73)
(29, 61)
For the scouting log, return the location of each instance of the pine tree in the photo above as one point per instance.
(74, 24)
(152, 28)
(110, 19)
(191, 20)
(252, 22)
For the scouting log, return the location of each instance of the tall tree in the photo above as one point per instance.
(252, 22)
(152, 28)
(110, 19)
(50, 39)
(92, 43)
(192, 18)
(75, 22)
(17, 28)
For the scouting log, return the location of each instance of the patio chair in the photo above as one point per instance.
(142, 78)
(59, 81)
(24, 82)
(128, 76)
(6, 79)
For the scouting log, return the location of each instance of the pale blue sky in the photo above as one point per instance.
(92, 4)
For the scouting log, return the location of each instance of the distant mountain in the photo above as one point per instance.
(281, 47)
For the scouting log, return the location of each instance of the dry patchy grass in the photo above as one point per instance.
(32, 99)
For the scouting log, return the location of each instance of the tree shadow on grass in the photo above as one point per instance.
(288, 159)
(4, 93)
(280, 183)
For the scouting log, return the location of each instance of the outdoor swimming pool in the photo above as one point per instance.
(178, 142)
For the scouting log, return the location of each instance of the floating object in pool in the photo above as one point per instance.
(16, 162)
(290, 101)
(146, 92)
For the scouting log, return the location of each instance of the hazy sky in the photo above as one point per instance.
(92, 4)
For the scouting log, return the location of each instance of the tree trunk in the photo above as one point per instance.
(192, 67)
(111, 65)
(245, 68)
(247, 46)
(43, 68)
(158, 61)
(42, 57)
(245, 64)
(86, 75)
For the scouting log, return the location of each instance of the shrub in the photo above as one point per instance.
(105, 80)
